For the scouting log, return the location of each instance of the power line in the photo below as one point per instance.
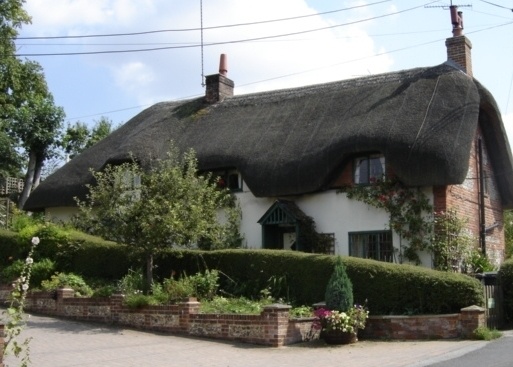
(305, 71)
(497, 5)
(218, 43)
(204, 28)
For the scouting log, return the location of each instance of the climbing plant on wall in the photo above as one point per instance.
(409, 211)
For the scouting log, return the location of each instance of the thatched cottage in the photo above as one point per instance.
(286, 153)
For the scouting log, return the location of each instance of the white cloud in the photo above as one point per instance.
(134, 77)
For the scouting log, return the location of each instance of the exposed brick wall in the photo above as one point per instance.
(218, 87)
(459, 51)
(464, 199)
(272, 327)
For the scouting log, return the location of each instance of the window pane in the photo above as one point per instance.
(372, 245)
(361, 173)
(376, 168)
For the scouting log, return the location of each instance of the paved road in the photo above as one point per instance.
(497, 354)
(62, 343)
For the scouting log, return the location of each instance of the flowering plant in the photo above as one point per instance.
(350, 321)
(15, 313)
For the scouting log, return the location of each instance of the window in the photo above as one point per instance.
(131, 183)
(230, 179)
(375, 245)
(369, 168)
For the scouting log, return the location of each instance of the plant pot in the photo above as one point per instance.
(337, 337)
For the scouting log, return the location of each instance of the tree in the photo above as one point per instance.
(168, 205)
(36, 124)
(339, 291)
(78, 137)
(28, 114)
(12, 17)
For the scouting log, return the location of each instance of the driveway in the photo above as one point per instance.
(63, 343)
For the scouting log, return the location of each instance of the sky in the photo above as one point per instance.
(163, 48)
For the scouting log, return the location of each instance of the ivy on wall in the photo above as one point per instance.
(409, 210)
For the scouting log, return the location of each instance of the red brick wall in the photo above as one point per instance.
(272, 327)
(464, 199)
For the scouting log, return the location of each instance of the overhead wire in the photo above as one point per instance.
(218, 43)
(204, 28)
(306, 71)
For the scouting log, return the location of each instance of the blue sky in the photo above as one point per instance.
(368, 37)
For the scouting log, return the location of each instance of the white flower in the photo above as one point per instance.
(25, 286)
(35, 241)
(29, 261)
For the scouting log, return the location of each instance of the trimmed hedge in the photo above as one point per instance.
(72, 251)
(295, 276)
(506, 280)
(387, 288)
(9, 248)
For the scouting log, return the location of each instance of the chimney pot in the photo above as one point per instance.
(223, 68)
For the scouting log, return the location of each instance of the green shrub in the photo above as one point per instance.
(484, 333)
(178, 289)
(132, 282)
(67, 280)
(41, 270)
(238, 305)
(506, 280)
(10, 249)
(339, 291)
(140, 300)
(104, 291)
(205, 284)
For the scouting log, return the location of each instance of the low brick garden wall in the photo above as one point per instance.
(272, 327)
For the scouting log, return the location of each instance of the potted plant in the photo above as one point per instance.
(340, 327)
(340, 320)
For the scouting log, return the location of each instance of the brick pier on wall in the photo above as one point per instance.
(272, 327)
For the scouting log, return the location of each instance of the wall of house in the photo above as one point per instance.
(60, 214)
(464, 199)
(332, 212)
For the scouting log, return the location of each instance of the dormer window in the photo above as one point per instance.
(230, 179)
(369, 168)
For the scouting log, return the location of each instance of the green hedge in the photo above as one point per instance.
(10, 249)
(506, 280)
(387, 288)
(72, 251)
(295, 276)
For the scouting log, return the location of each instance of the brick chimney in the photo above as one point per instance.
(459, 46)
(218, 86)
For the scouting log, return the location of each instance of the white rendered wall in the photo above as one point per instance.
(60, 214)
(332, 212)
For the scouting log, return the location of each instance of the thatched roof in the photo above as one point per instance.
(296, 141)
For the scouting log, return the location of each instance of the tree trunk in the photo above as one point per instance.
(149, 273)
(37, 172)
(29, 179)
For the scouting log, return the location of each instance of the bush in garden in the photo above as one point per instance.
(67, 280)
(339, 291)
(41, 270)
